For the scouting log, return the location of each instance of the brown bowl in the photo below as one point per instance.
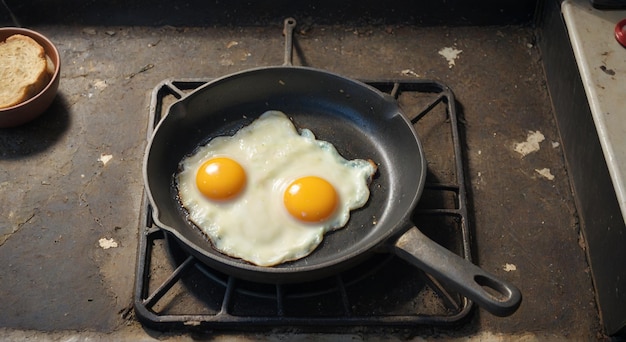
(36, 105)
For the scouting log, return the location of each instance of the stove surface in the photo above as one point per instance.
(72, 184)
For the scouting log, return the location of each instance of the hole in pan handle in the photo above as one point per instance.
(494, 295)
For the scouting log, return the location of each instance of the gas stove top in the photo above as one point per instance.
(174, 290)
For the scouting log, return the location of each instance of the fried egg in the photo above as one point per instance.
(269, 193)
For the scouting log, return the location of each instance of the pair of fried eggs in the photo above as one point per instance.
(269, 193)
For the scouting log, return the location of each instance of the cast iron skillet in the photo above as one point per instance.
(361, 122)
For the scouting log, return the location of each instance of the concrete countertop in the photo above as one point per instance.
(602, 64)
(71, 184)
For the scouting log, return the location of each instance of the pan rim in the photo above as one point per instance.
(401, 225)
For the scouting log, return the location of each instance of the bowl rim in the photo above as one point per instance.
(57, 66)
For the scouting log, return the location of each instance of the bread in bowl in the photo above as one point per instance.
(23, 70)
(34, 104)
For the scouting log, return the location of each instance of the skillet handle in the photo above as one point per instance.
(290, 24)
(502, 299)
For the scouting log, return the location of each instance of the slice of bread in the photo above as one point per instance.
(23, 70)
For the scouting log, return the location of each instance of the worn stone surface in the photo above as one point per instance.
(73, 176)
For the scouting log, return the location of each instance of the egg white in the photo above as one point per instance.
(256, 226)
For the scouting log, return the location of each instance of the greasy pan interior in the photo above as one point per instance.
(360, 121)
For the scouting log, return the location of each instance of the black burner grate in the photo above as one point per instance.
(175, 291)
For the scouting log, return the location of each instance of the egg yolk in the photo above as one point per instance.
(220, 178)
(311, 199)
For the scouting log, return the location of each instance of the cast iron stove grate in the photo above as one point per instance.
(173, 290)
